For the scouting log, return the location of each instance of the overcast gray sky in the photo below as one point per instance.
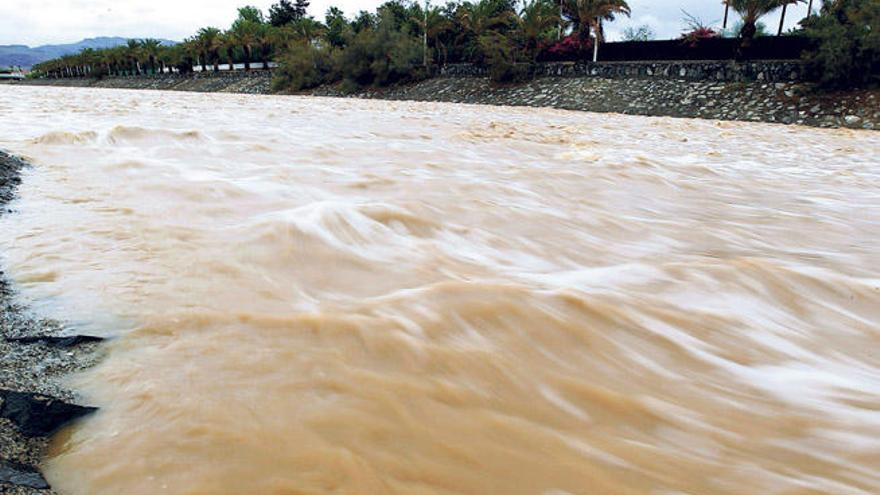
(38, 22)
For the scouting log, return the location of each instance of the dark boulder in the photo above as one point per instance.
(21, 475)
(63, 342)
(39, 415)
(10, 171)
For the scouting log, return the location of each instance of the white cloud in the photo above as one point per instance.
(666, 17)
(39, 22)
(36, 22)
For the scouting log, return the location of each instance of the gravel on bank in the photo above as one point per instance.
(34, 366)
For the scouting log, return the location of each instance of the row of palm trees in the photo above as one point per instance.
(135, 57)
(246, 41)
(251, 38)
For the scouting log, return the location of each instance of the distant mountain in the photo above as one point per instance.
(21, 55)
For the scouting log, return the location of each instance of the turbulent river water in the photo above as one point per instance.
(316, 296)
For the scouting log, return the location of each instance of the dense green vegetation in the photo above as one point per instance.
(405, 40)
(847, 35)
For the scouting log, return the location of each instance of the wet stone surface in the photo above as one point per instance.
(37, 415)
(22, 476)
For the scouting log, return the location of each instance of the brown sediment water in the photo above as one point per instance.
(318, 296)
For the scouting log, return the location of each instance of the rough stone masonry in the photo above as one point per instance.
(765, 91)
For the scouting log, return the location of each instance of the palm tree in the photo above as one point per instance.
(179, 56)
(538, 20)
(150, 48)
(751, 11)
(191, 53)
(193, 47)
(434, 25)
(118, 57)
(103, 62)
(163, 57)
(85, 59)
(265, 37)
(587, 15)
(480, 19)
(70, 66)
(244, 31)
(228, 44)
(305, 29)
(209, 43)
(132, 54)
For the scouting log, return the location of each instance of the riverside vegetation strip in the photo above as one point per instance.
(33, 359)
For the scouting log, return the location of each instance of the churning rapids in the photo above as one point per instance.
(319, 296)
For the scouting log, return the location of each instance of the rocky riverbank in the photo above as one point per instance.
(35, 355)
(255, 82)
(753, 99)
(784, 103)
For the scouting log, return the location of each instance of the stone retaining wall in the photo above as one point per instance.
(718, 90)
(721, 71)
(784, 103)
(253, 82)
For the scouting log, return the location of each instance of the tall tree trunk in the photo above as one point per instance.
(584, 33)
(561, 17)
(425, 38)
(782, 20)
(748, 32)
(597, 38)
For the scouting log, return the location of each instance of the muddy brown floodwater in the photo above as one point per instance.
(319, 296)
